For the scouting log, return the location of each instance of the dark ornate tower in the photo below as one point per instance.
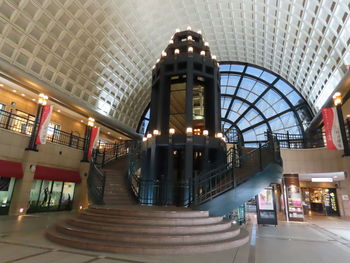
(184, 137)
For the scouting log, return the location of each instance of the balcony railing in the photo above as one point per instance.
(18, 124)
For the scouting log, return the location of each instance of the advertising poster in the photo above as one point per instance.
(331, 125)
(44, 124)
(266, 200)
(266, 212)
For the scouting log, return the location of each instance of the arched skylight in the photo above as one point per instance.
(255, 100)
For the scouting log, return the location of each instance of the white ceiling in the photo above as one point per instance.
(336, 176)
(101, 52)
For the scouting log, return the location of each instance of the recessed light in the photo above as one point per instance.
(1, 85)
(23, 95)
(120, 138)
(14, 90)
(33, 99)
(81, 121)
(58, 110)
(108, 133)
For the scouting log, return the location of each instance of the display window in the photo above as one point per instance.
(51, 196)
(6, 189)
(321, 201)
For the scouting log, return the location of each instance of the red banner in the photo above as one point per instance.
(95, 131)
(331, 125)
(44, 124)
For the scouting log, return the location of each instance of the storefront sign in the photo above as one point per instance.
(345, 197)
(95, 131)
(44, 124)
(266, 200)
(331, 125)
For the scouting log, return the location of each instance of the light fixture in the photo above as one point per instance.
(219, 135)
(23, 95)
(337, 98)
(199, 32)
(189, 28)
(177, 30)
(189, 38)
(33, 99)
(80, 207)
(144, 139)
(1, 85)
(171, 131)
(43, 99)
(108, 133)
(163, 54)
(58, 110)
(81, 121)
(177, 51)
(206, 44)
(157, 60)
(14, 90)
(205, 132)
(154, 66)
(213, 57)
(91, 122)
(190, 49)
(202, 53)
(189, 130)
(171, 41)
(21, 210)
(156, 132)
(322, 179)
(149, 135)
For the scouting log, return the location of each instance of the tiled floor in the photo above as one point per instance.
(22, 240)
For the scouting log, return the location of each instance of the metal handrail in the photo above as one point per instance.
(96, 184)
(18, 124)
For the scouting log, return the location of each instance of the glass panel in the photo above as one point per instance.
(268, 77)
(283, 86)
(254, 71)
(237, 68)
(148, 113)
(227, 90)
(55, 195)
(34, 194)
(45, 193)
(243, 123)
(6, 189)
(198, 107)
(224, 68)
(177, 118)
(294, 98)
(67, 196)
(233, 80)
(223, 79)
(248, 83)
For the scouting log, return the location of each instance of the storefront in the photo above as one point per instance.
(52, 189)
(9, 172)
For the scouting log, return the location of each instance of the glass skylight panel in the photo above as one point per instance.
(237, 68)
(268, 77)
(294, 98)
(247, 83)
(223, 79)
(225, 67)
(227, 90)
(233, 80)
(254, 71)
(233, 116)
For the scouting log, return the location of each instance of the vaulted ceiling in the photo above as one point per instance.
(102, 52)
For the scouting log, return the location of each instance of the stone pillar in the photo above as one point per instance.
(21, 191)
(81, 198)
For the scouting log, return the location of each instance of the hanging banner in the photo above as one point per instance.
(331, 125)
(95, 131)
(44, 124)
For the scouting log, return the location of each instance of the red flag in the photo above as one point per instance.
(44, 124)
(95, 131)
(331, 125)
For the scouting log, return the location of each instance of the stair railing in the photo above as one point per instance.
(96, 184)
(236, 171)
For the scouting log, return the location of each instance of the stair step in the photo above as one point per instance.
(149, 220)
(146, 248)
(65, 228)
(148, 211)
(154, 229)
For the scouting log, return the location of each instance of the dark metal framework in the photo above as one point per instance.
(255, 100)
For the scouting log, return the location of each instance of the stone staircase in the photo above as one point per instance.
(116, 189)
(147, 230)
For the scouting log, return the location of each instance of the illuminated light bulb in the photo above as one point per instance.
(1, 85)
(189, 28)
(189, 38)
(80, 207)
(177, 51)
(206, 44)
(149, 136)
(177, 30)
(33, 99)
(202, 53)
(171, 41)
(21, 210)
(337, 99)
(58, 110)
(154, 66)
(163, 54)
(199, 32)
(190, 49)
(189, 130)
(91, 122)
(42, 99)
(213, 57)
(171, 131)
(23, 95)
(157, 60)
(205, 132)
(14, 90)
(144, 139)
(219, 135)
(156, 132)
(81, 121)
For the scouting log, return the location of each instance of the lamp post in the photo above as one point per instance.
(91, 123)
(337, 99)
(42, 101)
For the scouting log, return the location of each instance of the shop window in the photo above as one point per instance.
(51, 196)
(6, 189)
